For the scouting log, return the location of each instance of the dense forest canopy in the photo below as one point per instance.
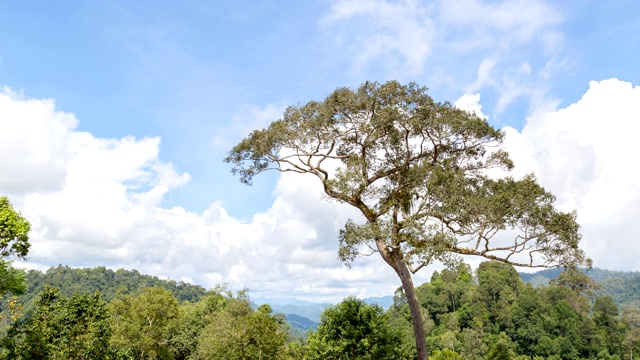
(490, 313)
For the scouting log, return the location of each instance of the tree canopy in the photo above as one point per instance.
(62, 328)
(353, 330)
(419, 172)
(14, 242)
(489, 313)
(14, 231)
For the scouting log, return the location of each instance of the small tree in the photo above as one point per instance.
(14, 231)
(353, 330)
(239, 332)
(62, 328)
(141, 324)
(417, 171)
(14, 242)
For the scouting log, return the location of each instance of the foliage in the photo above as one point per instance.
(501, 349)
(239, 332)
(62, 328)
(14, 242)
(109, 282)
(353, 330)
(184, 331)
(12, 280)
(489, 314)
(14, 231)
(622, 287)
(498, 316)
(140, 324)
(577, 281)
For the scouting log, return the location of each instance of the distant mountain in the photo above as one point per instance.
(300, 322)
(110, 283)
(598, 275)
(285, 302)
(541, 277)
(384, 301)
(622, 286)
(309, 310)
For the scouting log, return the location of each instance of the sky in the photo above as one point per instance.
(115, 118)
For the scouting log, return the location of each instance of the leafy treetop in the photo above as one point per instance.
(14, 231)
(417, 171)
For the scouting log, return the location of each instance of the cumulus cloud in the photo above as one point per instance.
(100, 202)
(95, 201)
(584, 154)
(470, 103)
(32, 144)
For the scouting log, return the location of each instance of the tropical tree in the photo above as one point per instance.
(353, 330)
(141, 324)
(14, 231)
(238, 332)
(418, 172)
(185, 330)
(576, 280)
(12, 280)
(14, 242)
(76, 327)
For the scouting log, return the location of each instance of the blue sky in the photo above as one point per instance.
(155, 94)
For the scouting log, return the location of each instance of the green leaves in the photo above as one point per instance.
(12, 280)
(14, 241)
(239, 332)
(140, 324)
(14, 231)
(353, 330)
(77, 327)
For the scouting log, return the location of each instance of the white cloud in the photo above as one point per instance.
(100, 203)
(103, 203)
(471, 103)
(584, 154)
(32, 144)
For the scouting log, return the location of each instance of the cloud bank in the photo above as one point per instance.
(95, 201)
(585, 154)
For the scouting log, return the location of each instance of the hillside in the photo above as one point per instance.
(110, 283)
(303, 316)
(623, 287)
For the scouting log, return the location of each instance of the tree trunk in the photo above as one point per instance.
(414, 306)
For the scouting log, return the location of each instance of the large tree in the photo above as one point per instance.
(424, 177)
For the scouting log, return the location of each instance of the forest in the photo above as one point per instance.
(490, 313)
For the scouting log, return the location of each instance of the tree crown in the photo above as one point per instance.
(418, 171)
(14, 231)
